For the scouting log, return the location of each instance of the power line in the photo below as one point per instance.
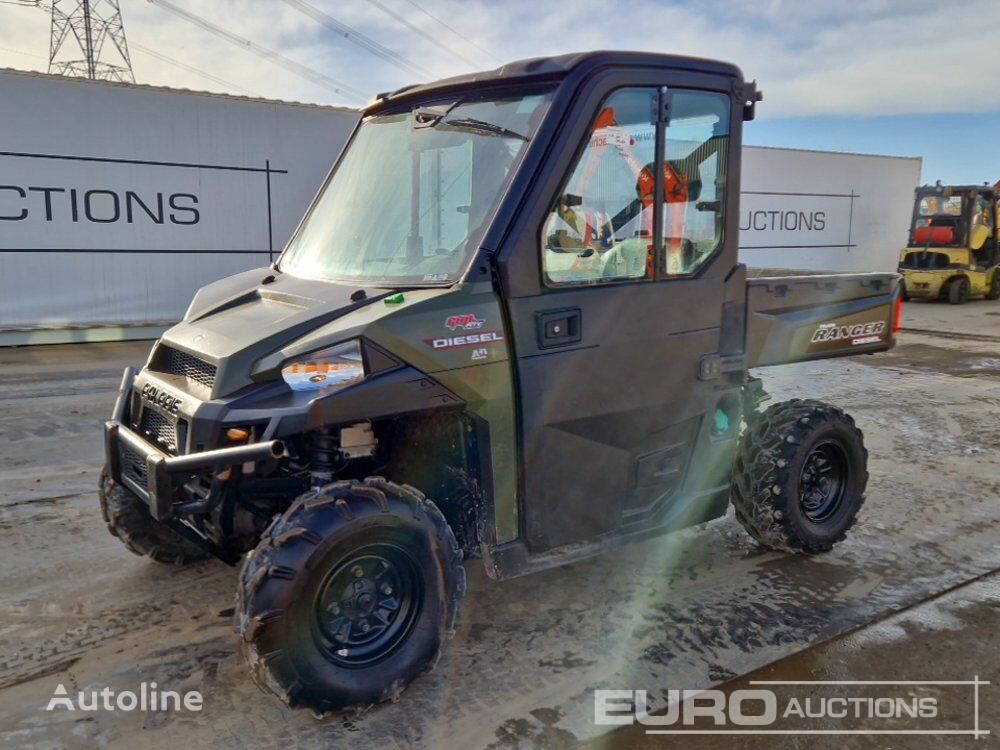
(430, 38)
(356, 37)
(455, 31)
(265, 53)
(26, 54)
(189, 68)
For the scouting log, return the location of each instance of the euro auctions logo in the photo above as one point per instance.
(802, 708)
(743, 708)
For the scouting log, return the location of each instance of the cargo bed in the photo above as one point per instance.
(804, 317)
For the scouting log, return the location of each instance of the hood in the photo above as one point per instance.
(236, 321)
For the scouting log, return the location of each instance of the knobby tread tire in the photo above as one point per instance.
(128, 519)
(764, 489)
(273, 575)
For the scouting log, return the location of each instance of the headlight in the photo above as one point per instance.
(332, 368)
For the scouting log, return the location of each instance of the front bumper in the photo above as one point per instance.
(155, 476)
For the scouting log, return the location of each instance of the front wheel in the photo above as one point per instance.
(349, 595)
(128, 519)
(800, 475)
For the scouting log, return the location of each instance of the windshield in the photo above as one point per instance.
(410, 199)
(939, 219)
(938, 205)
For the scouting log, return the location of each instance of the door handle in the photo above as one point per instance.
(559, 327)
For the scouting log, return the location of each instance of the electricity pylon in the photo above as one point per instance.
(88, 39)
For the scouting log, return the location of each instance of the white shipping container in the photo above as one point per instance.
(118, 201)
(823, 210)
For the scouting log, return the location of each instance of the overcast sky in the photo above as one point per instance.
(907, 77)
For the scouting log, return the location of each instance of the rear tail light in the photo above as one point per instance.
(897, 316)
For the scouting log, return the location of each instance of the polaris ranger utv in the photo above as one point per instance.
(512, 325)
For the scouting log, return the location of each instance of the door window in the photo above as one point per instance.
(696, 141)
(601, 227)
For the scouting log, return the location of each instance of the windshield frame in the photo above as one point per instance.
(451, 99)
(961, 218)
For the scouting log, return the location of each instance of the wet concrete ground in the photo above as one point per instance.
(701, 608)
(946, 635)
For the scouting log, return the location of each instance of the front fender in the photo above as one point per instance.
(403, 390)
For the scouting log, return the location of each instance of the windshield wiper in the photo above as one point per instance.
(428, 117)
(481, 126)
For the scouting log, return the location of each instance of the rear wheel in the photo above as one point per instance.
(349, 595)
(128, 518)
(903, 293)
(958, 290)
(994, 292)
(800, 476)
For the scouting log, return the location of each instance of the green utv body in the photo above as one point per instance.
(512, 325)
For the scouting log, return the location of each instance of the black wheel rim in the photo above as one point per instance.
(368, 603)
(823, 481)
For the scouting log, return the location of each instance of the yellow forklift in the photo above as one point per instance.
(953, 250)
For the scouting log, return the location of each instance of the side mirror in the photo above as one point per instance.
(570, 200)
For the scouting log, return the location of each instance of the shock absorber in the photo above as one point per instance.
(323, 446)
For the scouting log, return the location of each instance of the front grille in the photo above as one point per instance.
(159, 429)
(132, 465)
(175, 362)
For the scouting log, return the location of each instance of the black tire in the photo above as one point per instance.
(905, 295)
(293, 604)
(994, 292)
(782, 493)
(958, 290)
(128, 519)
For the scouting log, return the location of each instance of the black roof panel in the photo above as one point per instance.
(939, 189)
(558, 67)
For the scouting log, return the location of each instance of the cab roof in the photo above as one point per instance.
(556, 68)
(956, 189)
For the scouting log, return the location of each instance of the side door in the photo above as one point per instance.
(634, 253)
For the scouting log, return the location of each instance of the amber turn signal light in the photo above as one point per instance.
(237, 434)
